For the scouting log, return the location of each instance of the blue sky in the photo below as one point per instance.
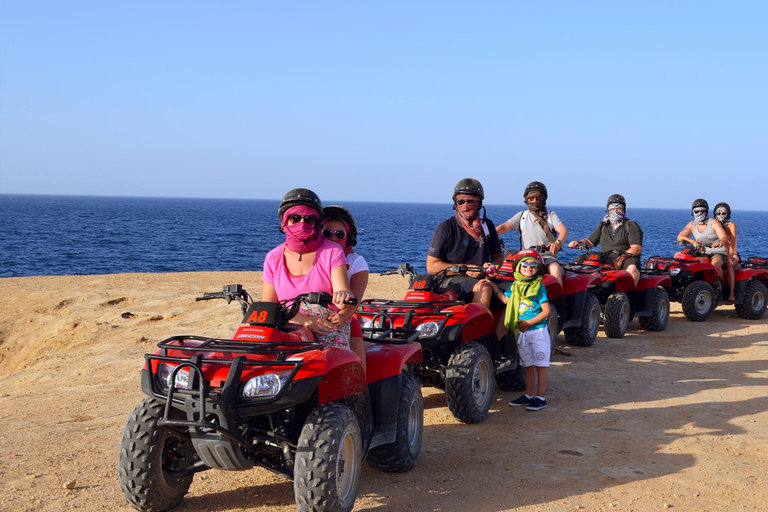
(661, 101)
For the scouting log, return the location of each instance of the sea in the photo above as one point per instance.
(43, 235)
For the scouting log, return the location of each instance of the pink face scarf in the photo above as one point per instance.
(469, 215)
(344, 243)
(301, 237)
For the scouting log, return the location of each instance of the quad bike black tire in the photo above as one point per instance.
(755, 300)
(148, 456)
(657, 320)
(329, 460)
(698, 301)
(469, 382)
(585, 334)
(402, 454)
(553, 324)
(512, 380)
(717, 287)
(616, 315)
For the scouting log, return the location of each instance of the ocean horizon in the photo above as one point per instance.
(79, 235)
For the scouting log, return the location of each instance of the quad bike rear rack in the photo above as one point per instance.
(383, 328)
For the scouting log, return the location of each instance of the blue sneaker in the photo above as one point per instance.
(536, 404)
(521, 400)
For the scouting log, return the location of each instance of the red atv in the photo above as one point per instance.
(694, 281)
(619, 298)
(751, 283)
(461, 350)
(271, 397)
(577, 308)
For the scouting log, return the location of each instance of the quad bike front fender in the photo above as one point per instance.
(574, 282)
(385, 360)
(651, 282)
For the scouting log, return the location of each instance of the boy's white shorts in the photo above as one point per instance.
(533, 346)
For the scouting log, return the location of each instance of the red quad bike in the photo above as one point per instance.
(697, 285)
(461, 350)
(620, 300)
(750, 289)
(272, 397)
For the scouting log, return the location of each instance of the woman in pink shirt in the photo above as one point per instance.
(307, 262)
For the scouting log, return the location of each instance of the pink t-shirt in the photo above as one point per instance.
(329, 256)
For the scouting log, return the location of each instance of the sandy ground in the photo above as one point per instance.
(671, 420)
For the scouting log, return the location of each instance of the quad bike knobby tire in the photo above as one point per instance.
(698, 301)
(585, 334)
(553, 324)
(512, 380)
(616, 315)
(149, 456)
(329, 460)
(401, 455)
(657, 320)
(469, 382)
(754, 303)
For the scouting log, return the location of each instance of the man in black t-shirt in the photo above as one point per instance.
(466, 239)
(618, 235)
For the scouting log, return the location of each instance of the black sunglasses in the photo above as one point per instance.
(309, 219)
(468, 201)
(526, 264)
(339, 233)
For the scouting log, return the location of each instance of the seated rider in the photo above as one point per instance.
(708, 234)
(466, 239)
(733, 265)
(621, 238)
(539, 230)
(307, 262)
(339, 226)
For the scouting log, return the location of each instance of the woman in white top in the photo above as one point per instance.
(339, 226)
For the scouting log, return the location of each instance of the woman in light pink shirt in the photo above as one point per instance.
(305, 263)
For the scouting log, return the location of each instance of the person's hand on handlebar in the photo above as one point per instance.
(343, 297)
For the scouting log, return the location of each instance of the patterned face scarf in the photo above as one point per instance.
(523, 286)
(700, 215)
(615, 218)
(469, 215)
(301, 237)
(538, 209)
(723, 216)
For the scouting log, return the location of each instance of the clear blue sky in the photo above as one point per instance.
(663, 101)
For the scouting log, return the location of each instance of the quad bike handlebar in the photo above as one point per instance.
(237, 292)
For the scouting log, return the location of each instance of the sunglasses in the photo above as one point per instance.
(468, 201)
(535, 198)
(721, 212)
(526, 264)
(699, 210)
(309, 219)
(339, 233)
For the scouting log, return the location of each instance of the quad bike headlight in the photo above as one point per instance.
(428, 329)
(265, 386)
(675, 271)
(164, 375)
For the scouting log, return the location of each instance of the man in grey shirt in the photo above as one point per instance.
(539, 229)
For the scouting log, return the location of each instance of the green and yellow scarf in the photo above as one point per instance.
(522, 287)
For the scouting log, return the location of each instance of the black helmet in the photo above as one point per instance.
(299, 196)
(341, 213)
(700, 203)
(616, 198)
(725, 205)
(535, 185)
(468, 186)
